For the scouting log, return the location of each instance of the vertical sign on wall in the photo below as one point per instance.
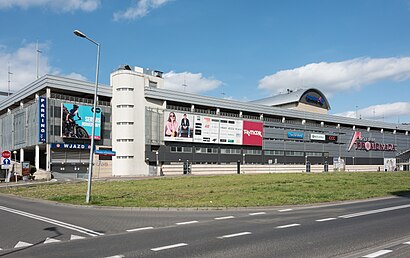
(42, 121)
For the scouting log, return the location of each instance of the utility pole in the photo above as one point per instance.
(8, 79)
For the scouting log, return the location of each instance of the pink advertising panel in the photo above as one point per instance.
(252, 133)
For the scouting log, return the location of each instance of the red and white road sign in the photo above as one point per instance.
(6, 154)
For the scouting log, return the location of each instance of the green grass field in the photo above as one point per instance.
(225, 191)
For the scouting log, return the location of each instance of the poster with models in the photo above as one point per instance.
(178, 126)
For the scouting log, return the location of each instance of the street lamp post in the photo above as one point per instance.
(90, 165)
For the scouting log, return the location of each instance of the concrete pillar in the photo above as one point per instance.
(48, 157)
(37, 157)
(21, 155)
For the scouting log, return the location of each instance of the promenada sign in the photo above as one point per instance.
(369, 144)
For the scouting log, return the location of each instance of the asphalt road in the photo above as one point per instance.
(375, 228)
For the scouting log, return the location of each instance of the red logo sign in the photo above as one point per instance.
(252, 133)
(6, 154)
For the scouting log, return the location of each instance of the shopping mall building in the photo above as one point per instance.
(146, 126)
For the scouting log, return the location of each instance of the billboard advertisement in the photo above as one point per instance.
(252, 133)
(77, 121)
(182, 127)
(317, 137)
(296, 135)
(206, 129)
(390, 164)
(230, 131)
(178, 126)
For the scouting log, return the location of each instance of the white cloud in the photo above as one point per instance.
(58, 5)
(390, 111)
(140, 9)
(195, 82)
(23, 66)
(76, 76)
(339, 76)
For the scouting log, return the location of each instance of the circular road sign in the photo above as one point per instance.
(6, 154)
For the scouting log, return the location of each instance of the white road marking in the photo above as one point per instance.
(53, 221)
(289, 226)
(168, 247)
(285, 210)
(374, 211)
(187, 222)
(22, 244)
(227, 217)
(139, 229)
(75, 237)
(407, 243)
(1, 249)
(51, 240)
(327, 219)
(116, 256)
(377, 254)
(235, 235)
(256, 213)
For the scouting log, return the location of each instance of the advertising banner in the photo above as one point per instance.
(206, 129)
(181, 127)
(230, 131)
(296, 135)
(331, 138)
(178, 126)
(390, 164)
(317, 137)
(77, 121)
(252, 133)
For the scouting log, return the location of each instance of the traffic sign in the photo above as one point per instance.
(5, 166)
(6, 154)
(6, 161)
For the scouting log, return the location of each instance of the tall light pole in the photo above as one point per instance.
(90, 165)
(8, 79)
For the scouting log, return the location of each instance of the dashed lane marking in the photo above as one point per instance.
(285, 210)
(364, 213)
(227, 217)
(256, 213)
(168, 247)
(327, 219)
(139, 229)
(116, 256)
(406, 243)
(288, 226)
(235, 235)
(187, 222)
(377, 254)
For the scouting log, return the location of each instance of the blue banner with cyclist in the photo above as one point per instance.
(77, 121)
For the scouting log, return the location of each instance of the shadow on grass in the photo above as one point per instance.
(402, 193)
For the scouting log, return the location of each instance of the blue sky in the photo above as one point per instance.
(356, 52)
